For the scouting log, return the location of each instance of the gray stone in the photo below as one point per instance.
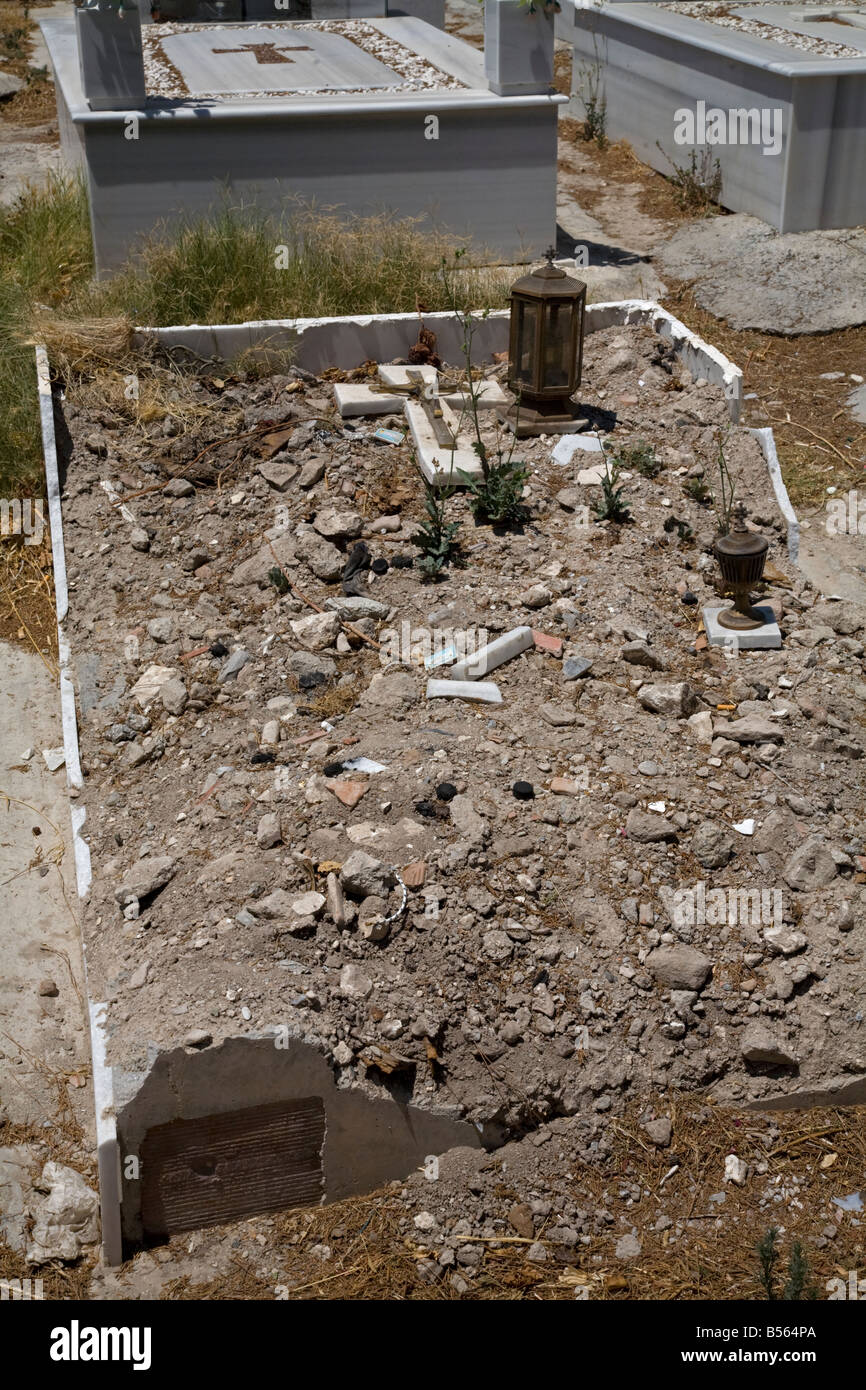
(679, 967)
(559, 716)
(800, 282)
(466, 819)
(338, 523)
(675, 700)
(139, 539)
(574, 667)
(810, 866)
(497, 947)
(174, 696)
(278, 474)
(304, 663)
(354, 982)
(365, 876)
(628, 1247)
(711, 845)
(198, 1037)
(647, 827)
(179, 487)
(393, 692)
(144, 879)
(10, 84)
(659, 1132)
(323, 558)
(354, 608)
(161, 629)
(639, 654)
(236, 662)
(311, 473)
(317, 630)
(750, 730)
(760, 1045)
(268, 831)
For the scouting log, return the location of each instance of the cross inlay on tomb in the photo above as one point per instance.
(215, 61)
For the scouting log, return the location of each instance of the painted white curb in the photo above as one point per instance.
(345, 342)
(767, 442)
(108, 1153)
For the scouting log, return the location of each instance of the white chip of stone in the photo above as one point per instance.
(353, 398)
(660, 806)
(54, 758)
(364, 765)
(391, 375)
(569, 444)
(746, 827)
(486, 691)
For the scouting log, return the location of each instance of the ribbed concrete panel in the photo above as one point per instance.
(221, 1168)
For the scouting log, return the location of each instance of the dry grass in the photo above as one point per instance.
(35, 104)
(79, 345)
(27, 612)
(715, 1258)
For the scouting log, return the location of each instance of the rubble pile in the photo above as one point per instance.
(642, 869)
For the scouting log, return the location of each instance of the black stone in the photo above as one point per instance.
(446, 791)
(218, 649)
(524, 791)
(332, 769)
(379, 566)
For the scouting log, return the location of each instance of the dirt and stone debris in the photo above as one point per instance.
(679, 904)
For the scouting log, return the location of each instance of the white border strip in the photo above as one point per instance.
(108, 1152)
(344, 342)
(767, 442)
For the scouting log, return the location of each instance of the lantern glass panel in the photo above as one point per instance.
(528, 319)
(557, 346)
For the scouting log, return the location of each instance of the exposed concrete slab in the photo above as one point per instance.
(857, 403)
(801, 282)
(367, 1141)
(39, 935)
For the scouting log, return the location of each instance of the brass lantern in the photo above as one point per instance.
(545, 351)
(741, 555)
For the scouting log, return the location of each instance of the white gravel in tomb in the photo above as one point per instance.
(726, 18)
(395, 68)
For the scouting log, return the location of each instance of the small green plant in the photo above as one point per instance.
(698, 184)
(279, 580)
(682, 528)
(697, 490)
(498, 496)
(594, 104)
(611, 506)
(436, 535)
(640, 457)
(798, 1286)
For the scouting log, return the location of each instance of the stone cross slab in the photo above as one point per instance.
(268, 52)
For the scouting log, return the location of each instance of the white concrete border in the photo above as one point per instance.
(108, 1153)
(346, 342)
(767, 442)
